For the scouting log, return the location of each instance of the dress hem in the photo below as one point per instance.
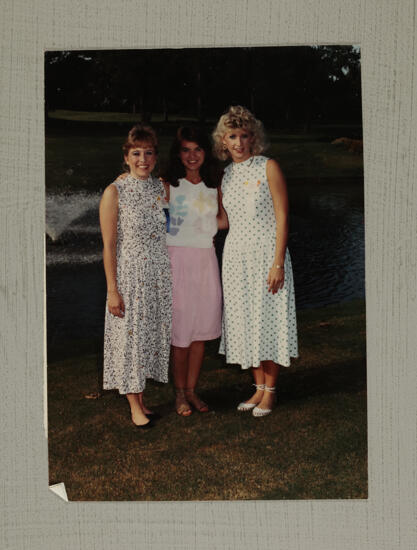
(244, 367)
(198, 338)
(113, 387)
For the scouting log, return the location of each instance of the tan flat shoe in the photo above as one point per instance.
(196, 402)
(182, 406)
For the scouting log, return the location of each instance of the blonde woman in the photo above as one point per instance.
(259, 322)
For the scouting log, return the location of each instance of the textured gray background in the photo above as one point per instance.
(33, 517)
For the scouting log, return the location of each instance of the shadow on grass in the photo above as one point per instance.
(313, 445)
(343, 377)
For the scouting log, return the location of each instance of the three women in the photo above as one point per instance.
(259, 326)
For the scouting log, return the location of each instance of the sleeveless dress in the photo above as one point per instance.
(137, 346)
(257, 325)
(196, 288)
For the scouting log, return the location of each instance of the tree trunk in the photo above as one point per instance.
(252, 99)
(146, 115)
(165, 108)
(200, 115)
(250, 79)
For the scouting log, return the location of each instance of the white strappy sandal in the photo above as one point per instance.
(244, 407)
(257, 411)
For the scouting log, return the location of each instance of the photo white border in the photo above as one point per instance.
(33, 517)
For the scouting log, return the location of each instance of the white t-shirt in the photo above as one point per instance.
(192, 213)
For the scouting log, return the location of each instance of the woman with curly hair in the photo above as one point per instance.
(259, 322)
(195, 214)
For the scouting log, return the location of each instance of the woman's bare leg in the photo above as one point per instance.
(138, 416)
(143, 406)
(195, 360)
(271, 372)
(179, 374)
(180, 366)
(259, 378)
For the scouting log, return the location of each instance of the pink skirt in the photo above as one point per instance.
(196, 295)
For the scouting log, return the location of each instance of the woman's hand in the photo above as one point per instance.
(115, 303)
(275, 279)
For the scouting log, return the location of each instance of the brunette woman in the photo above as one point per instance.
(195, 214)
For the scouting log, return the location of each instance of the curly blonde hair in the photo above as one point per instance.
(238, 117)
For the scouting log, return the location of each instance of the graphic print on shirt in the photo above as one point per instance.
(207, 206)
(177, 213)
(204, 202)
(193, 211)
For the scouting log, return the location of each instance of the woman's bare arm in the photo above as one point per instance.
(167, 188)
(108, 223)
(278, 190)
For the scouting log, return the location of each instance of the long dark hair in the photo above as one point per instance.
(210, 171)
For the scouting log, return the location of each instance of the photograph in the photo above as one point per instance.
(205, 274)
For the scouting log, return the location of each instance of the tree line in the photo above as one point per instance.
(283, 86)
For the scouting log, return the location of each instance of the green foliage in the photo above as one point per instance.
(285, 86)
(92, 158)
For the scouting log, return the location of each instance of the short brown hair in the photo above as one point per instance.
(138, 135)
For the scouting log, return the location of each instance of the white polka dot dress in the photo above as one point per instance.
(257, 325)
(137, 346)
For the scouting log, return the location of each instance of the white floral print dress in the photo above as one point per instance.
(257, 325)
(137, 346)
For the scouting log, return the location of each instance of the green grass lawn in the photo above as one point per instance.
(314, 158)
(89, 156)
(102, 116)
(313, 445)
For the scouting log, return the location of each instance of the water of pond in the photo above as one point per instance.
(326, 244)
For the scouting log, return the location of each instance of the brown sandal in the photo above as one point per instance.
(193, 398)
(181, 404)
